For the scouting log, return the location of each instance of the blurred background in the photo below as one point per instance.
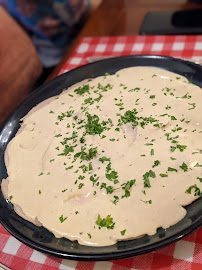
(37, 37)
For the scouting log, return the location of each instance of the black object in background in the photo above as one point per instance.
(172, 23)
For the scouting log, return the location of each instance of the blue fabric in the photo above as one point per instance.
(32, 12)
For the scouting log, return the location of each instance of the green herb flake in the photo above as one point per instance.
(197, 165)
(193, 106)
(127, 186)
(81, 90)
(163, 175)
(168, 107)
(156, 163)
(199, 178)
(90, 167)
(123, 232)
(80, 185)
(184, 167)
(62, 219)
(39, 191)
(173, 117)
(68, 168)
(146, 178)
(64, 190)
(181, 147)
(172, 169)
(152, 152)
(116, 200)
(89, 235)
(197, 191)
(105, 222)
(112, 175)
(58, 135)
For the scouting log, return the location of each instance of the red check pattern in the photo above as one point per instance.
(185, 254)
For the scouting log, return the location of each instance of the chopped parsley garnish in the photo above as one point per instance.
(68, 168)
(105, 222)
(172, 169)
(89, 235)
(86, 155)
(173, 148)
(112, 175)
(156, 163)
(184, 167)
(51, 112)
(173, 117)
(39, 191)
(123, 232)
(58, 135)
(93, 126)
(84, 168)
(62, 219)
(66, 114)
(168, 107)
(81, 90)
(152, 152)
(64, 190)
(109, 189)
(116, 200)
(199, 178)
(126, 187)
(197, 165)
(10, 197)
(90, 167)
(94, 178)
(152, 96)
(181, 147)
(163, 175)
(80, 185)
(103, 159)
(146, 178)
(41, 174)
(68, 149)
(193, 106)
(197, 191)
(76, 212)
(104, 88)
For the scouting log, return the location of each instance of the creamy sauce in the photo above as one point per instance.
(112, 160)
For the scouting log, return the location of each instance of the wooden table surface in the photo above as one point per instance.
(121, 17)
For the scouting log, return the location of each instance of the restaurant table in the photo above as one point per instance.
(122, 18)
(184, 254)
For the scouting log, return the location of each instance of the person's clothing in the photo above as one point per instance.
(49, 22)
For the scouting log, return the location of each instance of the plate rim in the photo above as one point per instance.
(94, 256)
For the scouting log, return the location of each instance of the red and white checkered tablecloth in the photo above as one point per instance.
(183, 255)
